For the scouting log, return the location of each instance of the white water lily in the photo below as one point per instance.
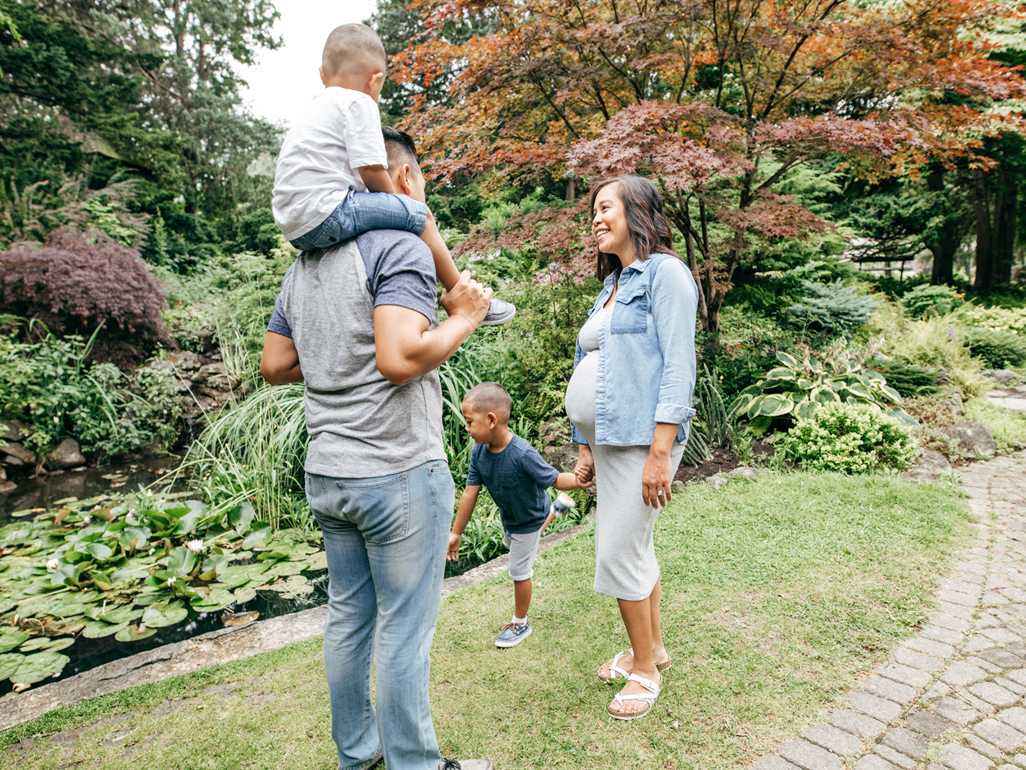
(170, 582)
(52, 564)
(195, 545)
(87, 520)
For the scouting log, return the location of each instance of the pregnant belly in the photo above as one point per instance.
(580, 393)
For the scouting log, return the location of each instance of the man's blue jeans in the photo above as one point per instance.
(385, 540)
(363, 211)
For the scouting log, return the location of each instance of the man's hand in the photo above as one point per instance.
(453, 553)
(468, 299)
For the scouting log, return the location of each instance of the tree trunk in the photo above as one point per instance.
(946, 244)
(984, 250)
(1004, 229)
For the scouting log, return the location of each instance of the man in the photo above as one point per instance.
(357, 324)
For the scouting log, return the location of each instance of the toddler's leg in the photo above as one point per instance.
(522, 590)
(445, 268)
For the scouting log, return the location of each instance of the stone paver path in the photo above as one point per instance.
(952, 697)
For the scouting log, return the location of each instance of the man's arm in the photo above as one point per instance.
(279, 363)
(407, 348)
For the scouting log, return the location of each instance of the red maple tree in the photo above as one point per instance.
(716, 99)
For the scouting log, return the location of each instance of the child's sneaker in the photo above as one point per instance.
(513, 634)
(499, 311)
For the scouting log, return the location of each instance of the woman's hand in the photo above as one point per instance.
(658, 473)
(585, 469)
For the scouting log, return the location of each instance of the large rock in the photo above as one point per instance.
(185, 360)
(972, 438)
(14, 454)
(12, 430)
(928, 466)
(66, 455)
(1002, 376)
(744, 472)
(207, 371)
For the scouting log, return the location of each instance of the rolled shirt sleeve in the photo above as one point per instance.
(674, 308)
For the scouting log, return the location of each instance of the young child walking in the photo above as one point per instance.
(516, 477)
(331, 182)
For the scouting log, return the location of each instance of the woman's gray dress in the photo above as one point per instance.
(625, 560)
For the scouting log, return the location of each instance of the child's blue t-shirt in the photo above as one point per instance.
(516, 478)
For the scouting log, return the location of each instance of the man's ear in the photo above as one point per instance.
(376, 80)
(403, 180)
(320, 71)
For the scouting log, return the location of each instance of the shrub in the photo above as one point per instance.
(848, 438)
(931, 301)
(908, 378)
(835, 308)
(996, 349)
(78, 283)
(50, 386)
(1002, 319)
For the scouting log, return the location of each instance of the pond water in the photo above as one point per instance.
(44, 491)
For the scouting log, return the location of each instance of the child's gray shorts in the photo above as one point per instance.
(523, 547)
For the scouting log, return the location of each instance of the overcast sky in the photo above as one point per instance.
(283, 81)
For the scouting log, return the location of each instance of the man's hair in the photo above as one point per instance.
(490, 397)
(399, 147)
(353, 49)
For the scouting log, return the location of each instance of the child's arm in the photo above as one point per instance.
(376, 178)
(467, 502)
(570, 481)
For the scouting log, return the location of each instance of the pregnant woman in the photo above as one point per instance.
(630, 403)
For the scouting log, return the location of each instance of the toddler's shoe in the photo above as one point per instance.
(499, 311)
(466, 764)
(513, 634)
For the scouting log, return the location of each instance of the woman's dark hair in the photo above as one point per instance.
(649, 231)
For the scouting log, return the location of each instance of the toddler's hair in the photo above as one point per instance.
(353, 49)
(490, 397)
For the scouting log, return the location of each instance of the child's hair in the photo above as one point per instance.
(353, 49)
(399, 147)
(490, 397)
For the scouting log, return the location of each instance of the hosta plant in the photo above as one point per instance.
(796, 389)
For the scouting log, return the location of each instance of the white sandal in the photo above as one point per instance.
(649, 698)
(616, 673)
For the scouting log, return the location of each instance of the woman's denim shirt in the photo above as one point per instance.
(647, 366)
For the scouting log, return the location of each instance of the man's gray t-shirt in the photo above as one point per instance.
(360, 425)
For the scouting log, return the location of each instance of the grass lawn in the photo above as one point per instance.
(778, 596)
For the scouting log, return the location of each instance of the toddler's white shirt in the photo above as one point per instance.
(338, 133)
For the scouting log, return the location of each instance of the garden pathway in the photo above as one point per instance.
(952, 697)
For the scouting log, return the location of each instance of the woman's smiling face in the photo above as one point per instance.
(609, 222)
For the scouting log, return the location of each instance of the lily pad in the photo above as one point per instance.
(60, 644)
(35, 643)
(216, 600)
(240, 517)
(164, 614)
(258, 537)
(134, 633)
(9, 664)
(11, 639)
(318, 562)
(98, 629)
(244, 594)
(35, 668)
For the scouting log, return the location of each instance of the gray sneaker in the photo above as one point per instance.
(499, 312)
(466, 764)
